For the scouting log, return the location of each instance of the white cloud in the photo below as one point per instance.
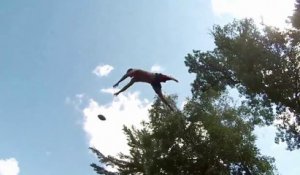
(9, 167)
(157, 68)
(107, 136)
(109, 90)
(272, 12)
(103, 70)
(80, 97)
(76, 101)
(183, 103)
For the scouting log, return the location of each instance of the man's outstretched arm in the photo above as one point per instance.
(125, 87)
(174, 79)
(123, 78)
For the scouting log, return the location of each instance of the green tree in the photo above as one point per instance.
(263, 65)
(295, 19)
(208, 137)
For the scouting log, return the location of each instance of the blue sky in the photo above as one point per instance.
(60, 58)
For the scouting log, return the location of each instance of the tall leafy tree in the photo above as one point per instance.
(263, 65)
(295, 19)
(211, 135)
(207, 137)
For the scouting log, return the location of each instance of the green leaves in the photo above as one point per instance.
(207, 137)
(264, 65)
(213, 134)
(295, 19)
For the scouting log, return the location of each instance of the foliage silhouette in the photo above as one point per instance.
(207, 137)
(263, 65)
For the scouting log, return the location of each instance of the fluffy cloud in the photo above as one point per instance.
(76, 101)
(107, 136)
(156, 68)
(9, 167)
(103, 70)
(272, 12)
(109, 90)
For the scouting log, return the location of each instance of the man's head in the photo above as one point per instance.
(130, 69)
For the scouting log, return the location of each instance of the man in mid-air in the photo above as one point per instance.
(138, 75)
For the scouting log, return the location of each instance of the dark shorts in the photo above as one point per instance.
(156, 83)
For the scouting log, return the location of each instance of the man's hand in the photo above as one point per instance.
(115, 85)
(175, 80)
(116, 94)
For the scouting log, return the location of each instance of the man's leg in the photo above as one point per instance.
(125, 87)
(157, 89)
(164, 78)
(164, 100)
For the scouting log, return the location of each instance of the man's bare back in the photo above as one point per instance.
(141, 75)
(138, 75)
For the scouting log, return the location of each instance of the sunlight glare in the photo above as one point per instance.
(270, 12)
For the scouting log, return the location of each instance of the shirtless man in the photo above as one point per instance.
(138, 75)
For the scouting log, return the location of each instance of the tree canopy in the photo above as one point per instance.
(295, 19)
(212, 134)
(207, 137)
(263, 65)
